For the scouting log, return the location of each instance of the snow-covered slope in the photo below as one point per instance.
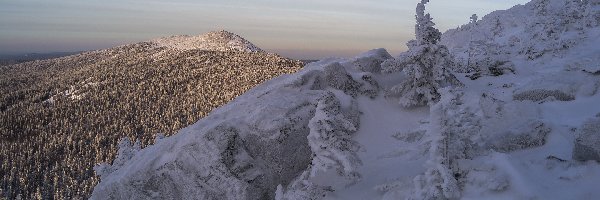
(330, 131)
(539, 30)
(267, 137)
(212, 41)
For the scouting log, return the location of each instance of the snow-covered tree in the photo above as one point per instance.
(474, 18)
(425, 64)
(330, 139)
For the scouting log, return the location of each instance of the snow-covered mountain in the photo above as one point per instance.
(60, 117)
(522, 123)
(211, 41)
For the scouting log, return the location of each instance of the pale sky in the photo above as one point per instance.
(303, 29)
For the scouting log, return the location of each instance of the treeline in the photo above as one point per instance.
(60, 117)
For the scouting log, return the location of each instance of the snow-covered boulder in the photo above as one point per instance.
(537, 95)
(222, 157)
(335, 76)
(563, 86)
(524, 135)
(371, 61)
(587, 141)
(510, 126)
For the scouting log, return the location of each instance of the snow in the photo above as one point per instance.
(383, 155)
(330, 132)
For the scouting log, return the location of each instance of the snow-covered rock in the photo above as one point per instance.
(212, 41)
(587, 141)
(267, 137)
(371, 61)
(561, 86)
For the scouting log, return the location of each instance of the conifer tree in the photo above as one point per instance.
(425, 64)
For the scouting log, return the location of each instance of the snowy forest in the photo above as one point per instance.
(60, 117)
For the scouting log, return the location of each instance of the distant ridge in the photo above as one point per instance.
(212, 41)
(20, 58)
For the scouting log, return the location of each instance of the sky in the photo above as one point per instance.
(301, 29)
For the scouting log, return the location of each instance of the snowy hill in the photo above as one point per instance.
(212, 41)
(60, 117)
(522, 123)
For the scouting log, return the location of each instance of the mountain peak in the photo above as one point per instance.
(213, 41)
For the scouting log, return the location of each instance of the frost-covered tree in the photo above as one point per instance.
(474, 18)
(330, 139)
(425, 64)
